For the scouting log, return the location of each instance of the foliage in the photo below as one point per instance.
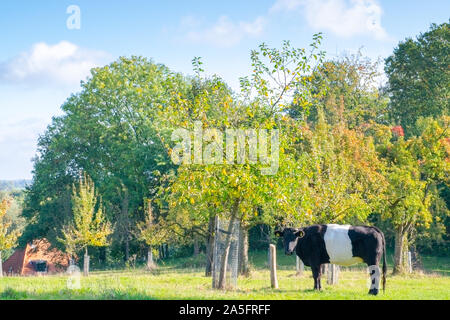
(149, 231)
(108, 131)
(348, 150)
(434, 239)
(419, 74)
(413, 167)
(8, 236)
(344, 181)
(238, 190)
(89, 227)
(351, 92)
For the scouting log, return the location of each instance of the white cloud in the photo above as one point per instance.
(63, 64)
(345, 18)
(224, 32)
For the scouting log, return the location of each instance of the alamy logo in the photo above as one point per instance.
(239, 140)
(74, 20)
(374, 272)
(74, 279)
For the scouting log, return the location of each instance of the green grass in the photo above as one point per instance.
(183, 279)
(138, 284)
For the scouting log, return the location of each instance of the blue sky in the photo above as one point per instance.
(42, 61)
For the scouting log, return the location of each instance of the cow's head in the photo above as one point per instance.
(290, 238)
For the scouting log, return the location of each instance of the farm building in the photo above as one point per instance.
(38, 257)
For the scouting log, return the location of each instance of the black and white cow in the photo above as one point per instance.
(338, 244)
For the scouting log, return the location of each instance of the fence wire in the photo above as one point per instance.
(232, 268)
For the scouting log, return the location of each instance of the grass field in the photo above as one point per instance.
(179, 279)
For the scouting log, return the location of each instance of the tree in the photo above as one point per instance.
(8, 238)
(336, 177)
(152, 233)
(351, 92)
(108, 130)
(89, 226)
(419, 74)
(407, 205)
(229, 189)
(414, 167)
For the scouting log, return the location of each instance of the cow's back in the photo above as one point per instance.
(339, 245)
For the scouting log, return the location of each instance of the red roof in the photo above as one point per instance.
(15, 263)
(21, 262)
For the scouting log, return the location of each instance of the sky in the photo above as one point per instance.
(48, 47)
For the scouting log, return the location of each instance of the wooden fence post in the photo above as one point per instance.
(333, 274)
(300, 267)
(410, 268)
(324, 268)
(273, 266)
(86, 265)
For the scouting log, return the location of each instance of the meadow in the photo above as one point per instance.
(183, 279)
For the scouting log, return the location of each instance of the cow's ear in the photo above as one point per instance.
(300, 233)
(279, 233)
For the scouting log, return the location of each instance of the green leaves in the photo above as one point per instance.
(198, 192)
(196, 64)
(89, 226)
(413, 166)
(149, 231)
(280, 75)
(8, 238)
(111, 131)
(419, 75)
(337, 176)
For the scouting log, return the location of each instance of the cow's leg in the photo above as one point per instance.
(374, 272)
(316, 276)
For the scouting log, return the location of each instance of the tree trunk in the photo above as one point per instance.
(299, 266)
(127, 249)
(401, 250)
(150, 263)
(224, 259)
(125, 222)
(210, 247)
(86, 263)
(196, 247)
(161, 252)
(102, 256)
(1, 265)
(243, 253)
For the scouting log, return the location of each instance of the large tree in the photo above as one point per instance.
(337, 177)
(352, 93)
(414, 167)
(108, 131)
(419, 77)
(236, 189)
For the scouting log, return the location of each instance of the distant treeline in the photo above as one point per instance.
(8, 185)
